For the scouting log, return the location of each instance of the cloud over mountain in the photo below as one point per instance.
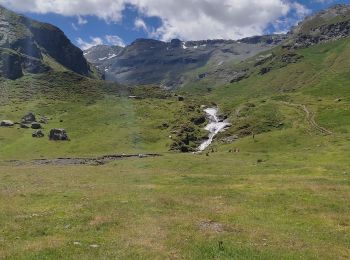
(185, 19)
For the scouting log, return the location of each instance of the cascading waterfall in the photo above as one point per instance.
(214, 127)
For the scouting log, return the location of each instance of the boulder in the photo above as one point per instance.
(7, 123)
(24, 126)
(36, 125)
(57, 134)
(38, 134)
(28, 118)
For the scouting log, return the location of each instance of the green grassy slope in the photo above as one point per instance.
(273, 101)
(99, 117)
(284, 196)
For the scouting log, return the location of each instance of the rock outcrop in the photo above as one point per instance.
(328, 25)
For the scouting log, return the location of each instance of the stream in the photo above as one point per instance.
(214, 127)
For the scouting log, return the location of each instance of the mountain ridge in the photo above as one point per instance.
(149, 61)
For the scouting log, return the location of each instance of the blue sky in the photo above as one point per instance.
(91, 22)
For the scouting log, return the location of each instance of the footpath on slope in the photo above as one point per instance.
(310, 118)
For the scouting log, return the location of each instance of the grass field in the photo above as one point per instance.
(292, 205)
(285, 195)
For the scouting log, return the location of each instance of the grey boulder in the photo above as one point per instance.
(58, 134)
(28, 118)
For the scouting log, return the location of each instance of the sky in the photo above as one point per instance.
(119, 22)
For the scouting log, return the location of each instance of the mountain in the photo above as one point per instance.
(148, 61)
(327, 25)
(28, 46)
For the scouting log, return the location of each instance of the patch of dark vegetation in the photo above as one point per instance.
(187, 139)
(84, 161)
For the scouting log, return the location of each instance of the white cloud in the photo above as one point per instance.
(75, 27)
(94, 41)
(185, 19)
(114, 40)
(140, 24)
(87, 45)
(81, 20)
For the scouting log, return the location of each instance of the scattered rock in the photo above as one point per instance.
(199, 120)
(338, 100)
(24, 126)
(211, 226)
(94, 246)
(230, 139)
(38, 134)
(44, 120)
(202, 76)
(36, 125)
(57, 134)
(7, 123)
(76, 243)
(134, 97)
(265, 70)
(238, 76)
(28, 118)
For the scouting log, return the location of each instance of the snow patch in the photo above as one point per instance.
(111, 56)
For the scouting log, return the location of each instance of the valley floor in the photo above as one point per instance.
(270, 201)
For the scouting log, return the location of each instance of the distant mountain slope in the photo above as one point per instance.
(28, 46)
(326, 26)
(148, 61)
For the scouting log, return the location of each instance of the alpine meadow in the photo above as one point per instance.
(179, 149)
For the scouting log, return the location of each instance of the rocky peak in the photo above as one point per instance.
(24, 42)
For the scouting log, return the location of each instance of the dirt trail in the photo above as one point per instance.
(310, 118)
(83, 161)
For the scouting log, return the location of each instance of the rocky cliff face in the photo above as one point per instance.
(148, 61)
(328, 25)
(25, 42)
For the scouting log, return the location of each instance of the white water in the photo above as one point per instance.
(214, 127)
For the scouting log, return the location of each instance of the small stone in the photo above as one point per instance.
(76, 243)
(36, 125)
(38, 134)
(94, 246)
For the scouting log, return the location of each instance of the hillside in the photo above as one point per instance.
(165, 63)
(28, 46)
